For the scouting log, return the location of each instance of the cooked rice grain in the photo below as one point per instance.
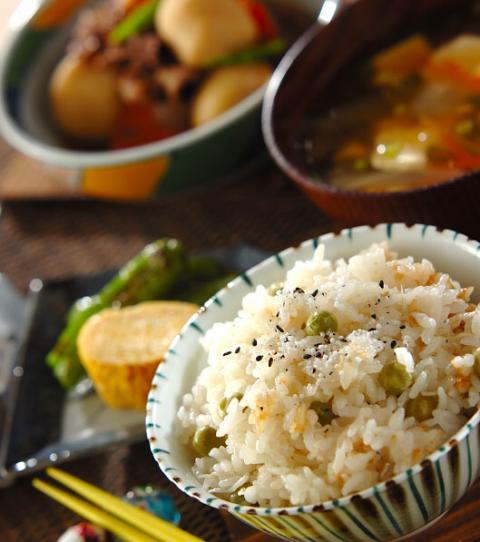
(277, 453)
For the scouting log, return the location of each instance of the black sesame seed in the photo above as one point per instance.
(270, 361)
(259, 358)
(374, 316)
(402, 326)
(227, 353)
(298, 291)
(319, 355)
(393, 344)
(237, 350)
(278, 328)
(381, 284)
(314, 370)
(372, 329)
(314, 293)
(254, 342)
(307, 356)
(277, 315)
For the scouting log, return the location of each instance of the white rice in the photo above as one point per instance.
(276, 451)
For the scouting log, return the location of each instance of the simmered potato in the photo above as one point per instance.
(84, 100)
(225, 87)
(199, 31)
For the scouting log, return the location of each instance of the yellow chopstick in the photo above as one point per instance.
(93, 514)
(139, 518)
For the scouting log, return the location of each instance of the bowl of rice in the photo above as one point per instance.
(331, 392)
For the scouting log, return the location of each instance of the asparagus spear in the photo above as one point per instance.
(150, 275)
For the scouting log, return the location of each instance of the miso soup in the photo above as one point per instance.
(405, 116)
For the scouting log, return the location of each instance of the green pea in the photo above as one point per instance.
(275, 288)
(422, 407)
(476, 365)
(395, 378)
(320, 322)
(205, 439)
(223, 406)
(323, 411)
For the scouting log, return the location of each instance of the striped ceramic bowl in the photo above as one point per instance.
(391, 510)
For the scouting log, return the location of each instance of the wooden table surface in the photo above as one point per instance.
(53, 238)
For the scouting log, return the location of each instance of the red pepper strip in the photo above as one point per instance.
(463, 159)
(135, 126)
(262, 18)
(451, 71)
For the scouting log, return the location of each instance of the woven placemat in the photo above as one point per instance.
(61, 238)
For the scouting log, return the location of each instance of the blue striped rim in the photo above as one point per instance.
(161, 375)
(442, 487)
(359, 524)
(153, 400)
(387, 511)
(424, 229)
(350, 233)
(327, 528)
(196, 327)
(388, 229)
(455, 235)
(315, 242)
(210, 500)
(416, 494)
(189, 488)
(246, 279)
(469, 459)
(160, 451)
(279, 260)
(152, 425)
(217, 301)
(170, 469)
(172, 351)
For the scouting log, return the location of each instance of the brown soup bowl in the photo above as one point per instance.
(306, 81)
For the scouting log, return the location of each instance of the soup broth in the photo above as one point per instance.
(404, 116)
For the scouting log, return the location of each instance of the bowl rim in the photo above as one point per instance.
(289, 167)
(51, 154)
(447, 236)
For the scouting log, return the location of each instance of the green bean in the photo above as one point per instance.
(320, 322)
(134, 23)
(253, 54)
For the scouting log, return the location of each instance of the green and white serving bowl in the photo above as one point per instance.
(392, 510)
(39, 31)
